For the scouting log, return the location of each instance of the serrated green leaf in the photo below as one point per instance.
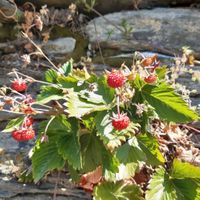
(51, 76)
(161, 72)
(71, 82)
(127, 171)
(187, 189)
(92, 97)
(58, 127)
(150, 147)
(117, 191)
(182, 170)
(138, 82)
(69, 146)
(161, 187)
(48, 94)
(46, 158)
(168, 105)
(66, 68)
(130, 152)
(95, 154)
(104, 90)
(14, 124)
(104, 124)
(77, 107)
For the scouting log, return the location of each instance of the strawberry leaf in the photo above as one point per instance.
(14, 124)
(161, 187)
(48, 94)
(150, 147)
(78, 107)
(117, 191)
(130, 152)
(168, 104)
(46, 158)
(69, 146)
(182, 170)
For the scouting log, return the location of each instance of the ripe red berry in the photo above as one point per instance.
(120, 122)
(19, 85)
(116, 79)
(23, 135)
(150, 79)
(27, 122)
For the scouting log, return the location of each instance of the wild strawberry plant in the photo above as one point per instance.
(104, 129)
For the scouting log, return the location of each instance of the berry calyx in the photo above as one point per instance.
(19, 85)
(115, 79)
(28, 100)
(23, 134)
(120, 122)
(28, 122)
(149, 60)
(150, 79)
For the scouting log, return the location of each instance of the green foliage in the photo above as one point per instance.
(182, 183)
(78, 107)
(83, 138)
(161, 187)
(69, 146)
(182, 170)
(49, 93)
(117, 191)
(46, 158)
(150, 147)
(168, 105)
(13, 124)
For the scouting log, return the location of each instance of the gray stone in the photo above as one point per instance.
(164, 30)
(60, 46)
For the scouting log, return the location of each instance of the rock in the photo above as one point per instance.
(147, 30)
(105, 6)
(59, 46)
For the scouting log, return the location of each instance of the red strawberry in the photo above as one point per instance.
(115, 79)
(28, 122)
(23, 134)
(19, 85)
(120, 122)
(150, 79)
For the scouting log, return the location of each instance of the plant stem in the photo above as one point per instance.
(118, 109)
(40, 50)
(48, 124)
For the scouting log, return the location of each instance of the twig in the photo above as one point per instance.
(39, 49)
(99, 47)
(191, 128)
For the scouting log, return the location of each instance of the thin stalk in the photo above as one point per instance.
(40, 50)
(118, 109)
